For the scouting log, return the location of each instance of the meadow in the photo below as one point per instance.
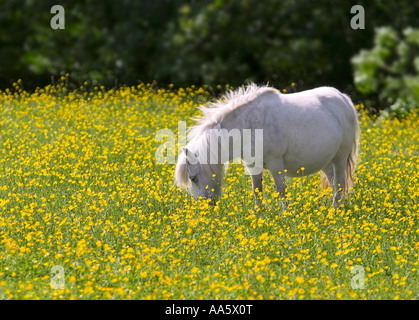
(81, 193)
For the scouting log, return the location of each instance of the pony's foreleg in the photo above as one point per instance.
(280, 186)
(256, 174)
(257, 186)
(278, 173)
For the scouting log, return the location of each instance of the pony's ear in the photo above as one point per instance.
(191, 157)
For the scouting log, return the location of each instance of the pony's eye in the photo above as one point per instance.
(194, 179)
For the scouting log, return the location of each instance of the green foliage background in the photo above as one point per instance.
(307, 42)
(391, 69)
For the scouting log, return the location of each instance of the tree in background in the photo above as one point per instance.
(271, 41)
(390, 70)
(103, 41)
(306, 42)
(213, 42)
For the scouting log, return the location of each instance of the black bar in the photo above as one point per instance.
(208, 309)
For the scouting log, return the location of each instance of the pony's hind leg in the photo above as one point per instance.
(338, 182)
(328, 172)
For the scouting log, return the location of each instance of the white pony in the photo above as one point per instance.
(303, 133)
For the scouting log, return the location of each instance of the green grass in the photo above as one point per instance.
(80, 189)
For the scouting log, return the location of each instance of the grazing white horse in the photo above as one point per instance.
(303, 133)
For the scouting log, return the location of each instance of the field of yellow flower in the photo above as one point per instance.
(87, 213)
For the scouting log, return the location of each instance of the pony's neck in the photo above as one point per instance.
(222, 144)
(245, 139)
(235, 119)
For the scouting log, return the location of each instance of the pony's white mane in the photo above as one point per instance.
(181, 172)
(213, 114)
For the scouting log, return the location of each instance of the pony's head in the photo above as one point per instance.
(193, 172)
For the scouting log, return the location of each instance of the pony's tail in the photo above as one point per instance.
(349, 170)
(324, 182)
(351, 164)
(353, 155)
